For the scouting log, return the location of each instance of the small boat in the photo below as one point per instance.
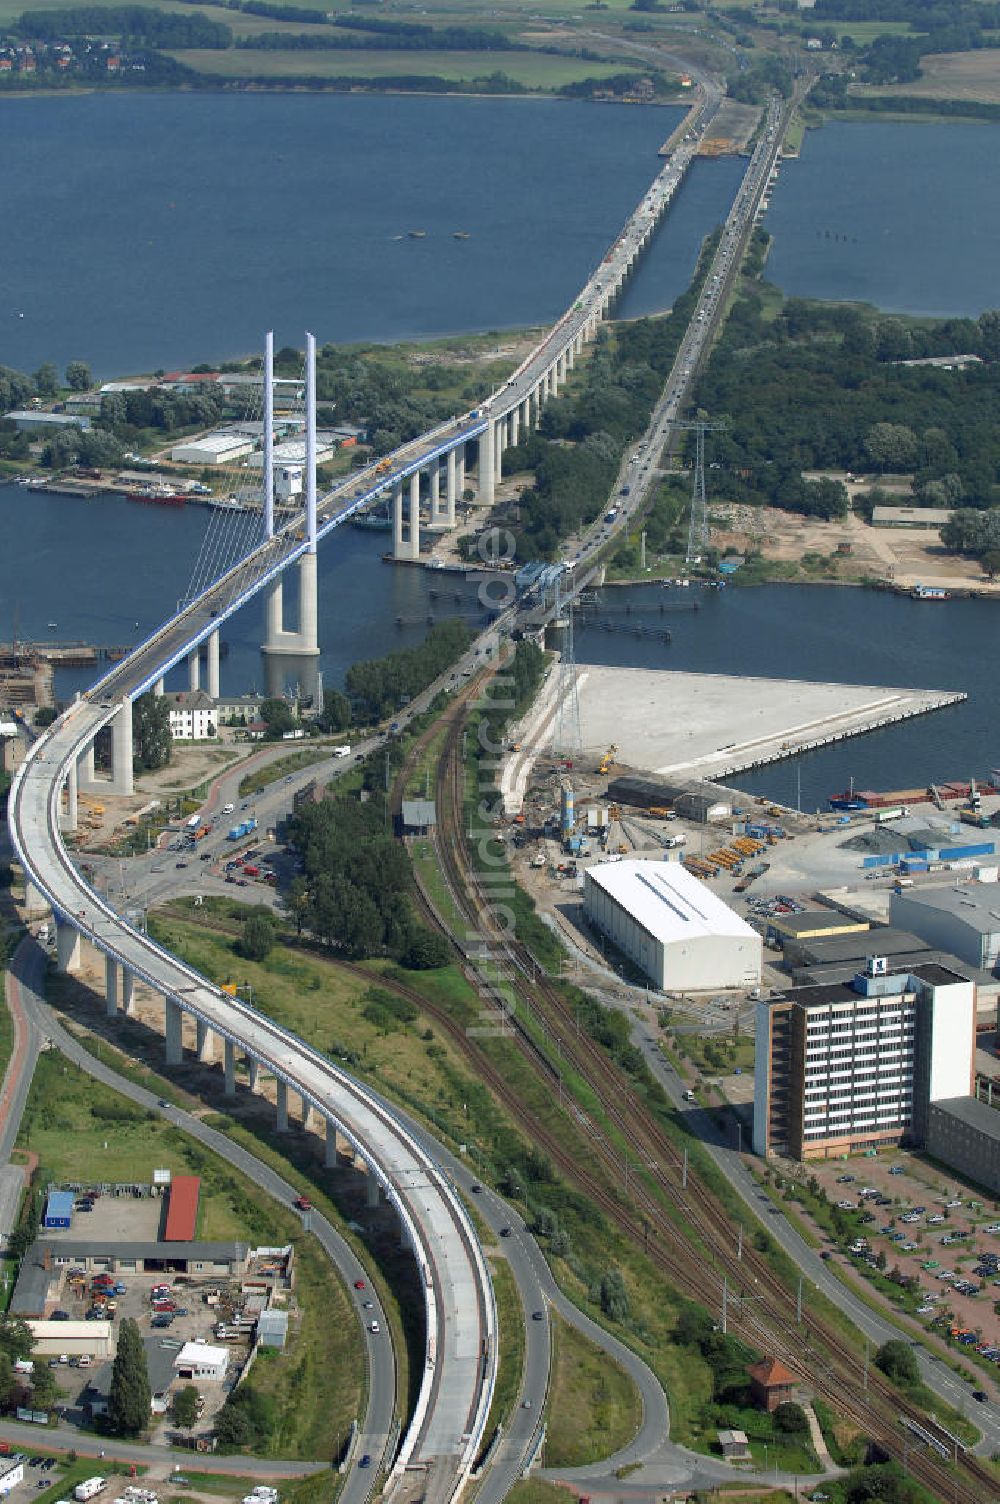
(459, 234)
(929, 593)
(417, 234)
(52, 625)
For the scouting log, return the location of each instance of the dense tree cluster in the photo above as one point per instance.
(379, 686)
(820, 387)
(136, 25)
(766, 75)
(151, 738)
(357, 877)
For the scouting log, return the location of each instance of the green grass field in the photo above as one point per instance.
(593, 1407)
(532, 70)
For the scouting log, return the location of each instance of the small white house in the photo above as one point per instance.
(200, 1360)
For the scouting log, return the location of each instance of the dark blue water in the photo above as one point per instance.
(839, 635)
(145, 232)
(667, 265)
(903, 215)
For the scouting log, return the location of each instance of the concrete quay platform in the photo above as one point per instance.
(712, 726)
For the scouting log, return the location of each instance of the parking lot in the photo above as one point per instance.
(170, 1309)
(932, 1230)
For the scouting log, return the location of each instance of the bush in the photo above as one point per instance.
(897, 1362)
(791, 1419)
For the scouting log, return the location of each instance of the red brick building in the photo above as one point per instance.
(771, 1384)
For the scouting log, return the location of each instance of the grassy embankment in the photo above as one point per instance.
(593, 1408)
(75, 1124)
(537, 72)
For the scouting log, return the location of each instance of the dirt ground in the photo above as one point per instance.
(901, 555)
(191, 765)
(731, 129)
(952, 75)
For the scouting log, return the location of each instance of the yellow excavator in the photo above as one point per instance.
(607, 761)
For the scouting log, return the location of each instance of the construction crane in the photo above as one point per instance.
(698, 526)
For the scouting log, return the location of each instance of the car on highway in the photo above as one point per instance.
(366, 1460)
(538, 1315)
(303, 1204)
(980, 1395)
(373, 1326)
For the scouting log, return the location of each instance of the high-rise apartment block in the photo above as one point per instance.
(845, 1067)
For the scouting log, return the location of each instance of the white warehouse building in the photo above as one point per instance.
(672, 926)
(219, 448)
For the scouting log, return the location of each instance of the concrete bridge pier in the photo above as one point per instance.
(406, 538)
(173, 1019)
(535, 400)
(397, 520)
(305, 641)
(253, 1072)
(308, 604)
(111, 986)
(485, 466)
(451, 487)
(274, 612)
(128, 992)
(308, 1115)
(194, 670)
(67, 947)
(499, 435)
(515, 426)
(434, 491)
(459, 472)
(330, 1156)
(85, 766)
(122, 781)
(413, 517)
(204, 1045)
(371, 1191)
(281, 1125)
(159, 688)
(34, 903)
(229, 1067)
(213, 665)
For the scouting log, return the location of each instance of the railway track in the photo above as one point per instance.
(696, 1246)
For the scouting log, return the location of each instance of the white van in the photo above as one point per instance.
(228, 809)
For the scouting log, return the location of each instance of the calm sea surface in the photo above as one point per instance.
(905, 216)
(149, 231)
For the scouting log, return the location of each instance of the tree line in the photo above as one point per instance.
(378, 687)
(134, 24)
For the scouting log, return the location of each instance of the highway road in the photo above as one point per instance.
(25, 984)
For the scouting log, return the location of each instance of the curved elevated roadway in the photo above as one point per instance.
(460, 1361)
